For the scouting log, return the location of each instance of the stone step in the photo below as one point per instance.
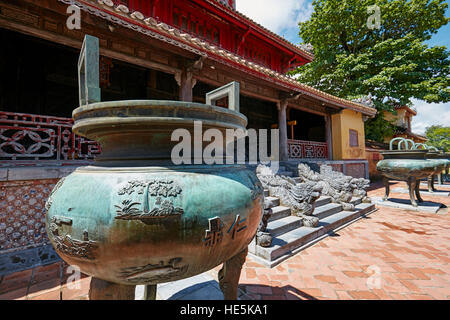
(285, 243)
(327, 210)
(279, 213)
(283, 225)
(355, 201)
(336, 220)
(323, 200)
(273, 201)
(285, 173)
(291, 242)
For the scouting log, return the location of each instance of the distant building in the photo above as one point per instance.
(402, 120)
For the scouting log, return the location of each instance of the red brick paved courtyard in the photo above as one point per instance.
(391, 254)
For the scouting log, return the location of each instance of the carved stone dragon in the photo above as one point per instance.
(300, 197)
(339, 187)
(264, 238)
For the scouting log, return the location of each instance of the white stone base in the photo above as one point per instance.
(405, 204)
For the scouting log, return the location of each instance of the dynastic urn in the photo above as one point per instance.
(135, 217)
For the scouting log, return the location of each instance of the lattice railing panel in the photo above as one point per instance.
(35, 137)
(300, 149)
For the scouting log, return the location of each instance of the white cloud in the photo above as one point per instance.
(279, 16)
(429, 114)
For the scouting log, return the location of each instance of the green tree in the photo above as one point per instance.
(439, 137)
(391, 63)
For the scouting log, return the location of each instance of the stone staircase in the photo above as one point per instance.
(289, 234)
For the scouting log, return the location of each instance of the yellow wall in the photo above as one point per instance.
(340, 125)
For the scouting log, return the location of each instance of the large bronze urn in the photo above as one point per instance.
(134, 217)
(443, 163)
(410, 165)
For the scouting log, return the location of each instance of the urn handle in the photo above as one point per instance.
(404, 141)
(89, 71)
(230, 90)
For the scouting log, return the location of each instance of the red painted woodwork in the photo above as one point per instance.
(36, 137)
(217, 25)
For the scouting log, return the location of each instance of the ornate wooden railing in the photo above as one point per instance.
(300, 149)
(25, 137)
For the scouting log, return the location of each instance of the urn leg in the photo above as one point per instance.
(150, 292)
(230, 273)
(412, 187)
(417, 191)
(386, 188)
(105, 290)
(430, 181)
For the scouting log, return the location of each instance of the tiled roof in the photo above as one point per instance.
(409, 109)
(241, 16)
(135, 20)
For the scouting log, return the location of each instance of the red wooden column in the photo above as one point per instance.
(185, 79)
(186, 82)
(282, 125)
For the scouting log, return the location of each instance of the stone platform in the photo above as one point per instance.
(405, 204)
(437, 193)
(200, 287)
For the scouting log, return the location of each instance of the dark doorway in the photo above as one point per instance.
(309, 127)
(37, 76)
(41, 77)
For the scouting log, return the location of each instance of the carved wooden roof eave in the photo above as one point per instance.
(239, 15)
(149, 26)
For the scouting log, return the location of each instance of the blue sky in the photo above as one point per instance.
(282, 17)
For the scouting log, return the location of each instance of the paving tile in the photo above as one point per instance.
(310, 292)
(46, 273)
(419, 297)
(329, 279)
(250, 273)
(75, 290)
(18, 294)
(343, 295)
(15, 281)
(363, 295)
(432, 271)
(355, 274)
(49, 295)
